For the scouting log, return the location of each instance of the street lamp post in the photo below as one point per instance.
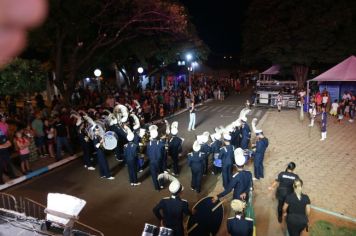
(97, 74)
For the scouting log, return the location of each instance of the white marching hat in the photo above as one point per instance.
(174, 131)
(239, 157)
(153, 133)
(200, 139)
(141, 132)
(130, 136)
(244, 119)
(174, 125)
(175, 187)
(216, 136)
(227, 136)
(205, 137)
(258, 131)
(196, 146)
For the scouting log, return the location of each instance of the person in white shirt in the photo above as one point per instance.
(334, 107)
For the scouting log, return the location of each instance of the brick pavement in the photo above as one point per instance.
(327, 168)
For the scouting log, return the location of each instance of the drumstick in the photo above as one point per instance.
(193, 227)
(217, 206)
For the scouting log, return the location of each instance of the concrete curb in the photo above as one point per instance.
(40, 171)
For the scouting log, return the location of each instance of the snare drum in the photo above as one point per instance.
(149, 230)
(163, 231)
(110, 140)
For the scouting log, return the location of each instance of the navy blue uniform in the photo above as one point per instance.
(261, 146)
(173, 209)
(197, 164)
(215, 149)
(235, 137)
(227, 158)
(174, 148)
(85, 143)
(241, 183)
(154, 153)
(246, 136)
(130, 154)
(205, 149)
(103, 164)
(238, 226)
(121, 140)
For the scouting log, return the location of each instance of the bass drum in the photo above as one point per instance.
(110, 140)
(149, 230)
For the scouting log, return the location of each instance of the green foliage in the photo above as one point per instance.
(22, 76)
(305, 32)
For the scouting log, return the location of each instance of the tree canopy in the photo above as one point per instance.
(22, 76)
(78, 34)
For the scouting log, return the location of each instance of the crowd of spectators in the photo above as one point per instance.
(341, 109)
(40, 129)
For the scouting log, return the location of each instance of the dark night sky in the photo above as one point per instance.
(218, 23)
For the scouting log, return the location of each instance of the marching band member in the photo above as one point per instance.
(239, 225)
(241, 182)
(205, 149)
(154, 153)
(85, 144)
(236, 134)
(261, 146)
(245, 134)
(312, 113)
(174, 148)
(173, 208)
(130, 154)
(215, 149)
(121, 138)
(103, 164)
(226, 155)
(324, 118)
(197, 164)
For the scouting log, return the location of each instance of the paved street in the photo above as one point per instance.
(326, 167)
(115, 205)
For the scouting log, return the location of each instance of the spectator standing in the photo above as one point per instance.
(50, 132)
(5, 164)
(37, 126)
(23, 143)
(4, 127)
(334, 108)
(61, 136)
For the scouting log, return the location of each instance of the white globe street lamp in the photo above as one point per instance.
(189, 57)
(97, 72)
(140, 70)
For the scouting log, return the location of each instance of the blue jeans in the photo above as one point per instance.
(62, 141)
(191, 121)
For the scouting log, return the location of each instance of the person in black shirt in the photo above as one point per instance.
(297, 210)
(285, 182)
(61, 134)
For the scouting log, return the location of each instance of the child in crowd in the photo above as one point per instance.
(30, 133)
(50, 132)
(22, 143)
(334, 107)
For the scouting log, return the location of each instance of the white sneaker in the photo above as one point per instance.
(137, 184)
(254, 179)
(162, 187)
(351, 120)
(91, 168)
(85, 166)
(193, 129)
(111, 178)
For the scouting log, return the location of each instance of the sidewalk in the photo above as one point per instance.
(327, 168)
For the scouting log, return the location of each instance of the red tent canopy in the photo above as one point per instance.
(344, 71)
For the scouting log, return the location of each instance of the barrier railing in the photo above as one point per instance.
(8, 202)
(35, 209)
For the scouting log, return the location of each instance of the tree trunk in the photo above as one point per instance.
(300, 74)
